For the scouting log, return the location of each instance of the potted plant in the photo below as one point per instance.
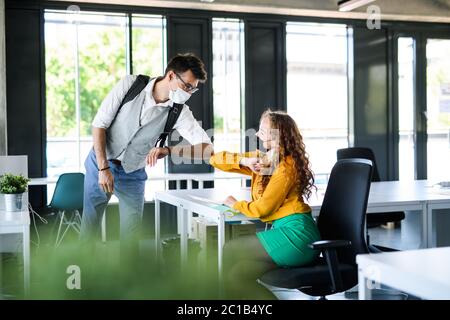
(13, 187)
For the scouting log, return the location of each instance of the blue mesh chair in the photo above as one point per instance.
(68, 198)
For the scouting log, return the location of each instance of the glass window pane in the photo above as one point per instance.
(317, 89)
(102, 62)
(60, 59)
(149, 58)
(227, 66)
(85, 57)
(438, 109)
(406, 108)
(86, 54)
(149, 44)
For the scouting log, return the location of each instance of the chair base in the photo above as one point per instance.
(391, 225)
(379, 249)
(378, 294)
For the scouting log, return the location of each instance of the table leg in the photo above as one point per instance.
(157, 230)
(189, 184)
(178, 184)
(1, 273)
(364, 292)
(104, 227)
(189, 224)
(26, 260)
(220, 244)
(430, 239)
(201, 184)
(183, 236)
(425, 227)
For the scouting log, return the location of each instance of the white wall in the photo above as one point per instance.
(3, 140)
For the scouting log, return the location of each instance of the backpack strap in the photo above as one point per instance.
(138, 85)
(172, 118)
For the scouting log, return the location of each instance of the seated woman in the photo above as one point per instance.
(278, 189)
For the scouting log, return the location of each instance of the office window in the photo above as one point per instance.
(86, 54)
(317, 85)
(438, 109)
(406, 108)
(227, 86)
(149, 57)
(149, 44)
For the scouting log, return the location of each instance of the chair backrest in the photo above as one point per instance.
(361, 153)
(343, 211)
(68, 193)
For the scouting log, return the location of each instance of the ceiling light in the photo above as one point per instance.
(349, 5)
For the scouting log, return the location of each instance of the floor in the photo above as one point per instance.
(45, 274)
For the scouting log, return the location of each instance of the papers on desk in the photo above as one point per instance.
(229, 212)
(440, 190)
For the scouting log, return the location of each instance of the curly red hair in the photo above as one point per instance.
(291, 144)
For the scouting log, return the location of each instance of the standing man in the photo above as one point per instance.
(125, 137)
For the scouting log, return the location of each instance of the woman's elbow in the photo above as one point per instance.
(260, 212)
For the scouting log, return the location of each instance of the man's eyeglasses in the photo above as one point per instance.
(189, 88)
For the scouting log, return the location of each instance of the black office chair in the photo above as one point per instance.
(341, 223)
(378, 218)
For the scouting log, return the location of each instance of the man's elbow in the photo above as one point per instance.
(207, 150)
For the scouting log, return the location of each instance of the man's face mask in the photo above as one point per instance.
(179, 95)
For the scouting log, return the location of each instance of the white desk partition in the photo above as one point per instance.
(16, 223)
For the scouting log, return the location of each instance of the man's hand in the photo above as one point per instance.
(230, 201)
(155, 154)
(253, 163)
(106, 181)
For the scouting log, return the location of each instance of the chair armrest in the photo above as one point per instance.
(328, 248)
(329, 244)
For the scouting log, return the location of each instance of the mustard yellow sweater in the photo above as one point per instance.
(278, 200)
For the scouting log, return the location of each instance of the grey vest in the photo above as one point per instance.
(127, 135)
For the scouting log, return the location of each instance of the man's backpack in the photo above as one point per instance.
(138, 85)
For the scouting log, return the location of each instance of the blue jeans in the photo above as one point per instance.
(129, 189)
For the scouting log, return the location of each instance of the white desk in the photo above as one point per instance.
(19, 223)
(149, 195)
(410, 195)
(186, 205)
(423, 273)
(42, 181)
(177, 177)
(384, 197)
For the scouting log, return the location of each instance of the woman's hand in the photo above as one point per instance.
(252, 163)
(230, 201)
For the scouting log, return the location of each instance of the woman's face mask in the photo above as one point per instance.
(264, 133)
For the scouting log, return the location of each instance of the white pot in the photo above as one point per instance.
(13, 202)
